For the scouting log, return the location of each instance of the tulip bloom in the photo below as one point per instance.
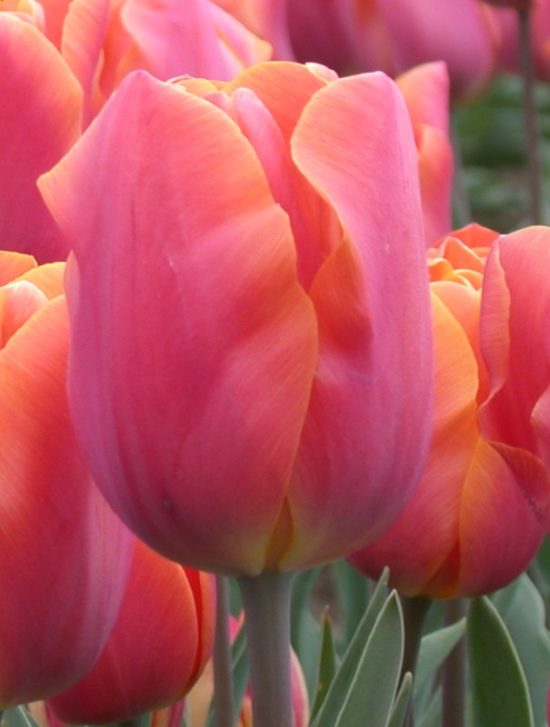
(473, 524)
(159, 645)
(391, 35)
(199, 698)
(65, 555)
(251, 351)
(50, 93)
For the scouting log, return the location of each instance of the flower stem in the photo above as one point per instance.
(414, 615)
(266, 601)
(223, 679)
(454, 671)
(531, 119)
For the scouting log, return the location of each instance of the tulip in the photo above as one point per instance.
(158, 647)
(49, 94)
(199, 698)
(474, 522)
(280, 414)
(64, 554)
(241, 437)
(391, 35)
(40, 116)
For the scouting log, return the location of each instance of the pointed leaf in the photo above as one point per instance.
(369, 695)
(327, 665)
(500, 694)
(18, 717)
(522, 609)
(402, 701)
(352, 656)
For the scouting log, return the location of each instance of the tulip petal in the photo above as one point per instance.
(499, 532)
(40, 115)
(368, 419)
(149, 659)
(189, 236)
(62, 547)
(425, 534)
(511, 332)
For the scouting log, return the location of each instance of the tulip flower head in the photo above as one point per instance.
(251, 352)
(65, 555)
(476, 518)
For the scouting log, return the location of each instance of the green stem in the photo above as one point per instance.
(266, 601)
(531, 118)
(454, 671)
(415, 611)
(223, 678)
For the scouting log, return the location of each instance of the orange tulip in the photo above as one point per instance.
(159, 645)
(474, 522)
(65, 555)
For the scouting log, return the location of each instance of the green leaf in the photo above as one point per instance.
(18, 717)
(327, 665)
(352, 656)
(402, 701)
(369, 695)
(500, 694)
(522, 609)
(357, 689)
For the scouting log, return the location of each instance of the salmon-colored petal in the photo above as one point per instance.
(512, 330)
(171, 40)
(150, 656)
(40, 116)
(176, 202)
(18, 302)
(499, 532)
(426, 533)
(426, 91)
(13, 264)
(435, 162)
(369, 415)
(314, 225)
(82, 44)
(63, 550)
(48, 278)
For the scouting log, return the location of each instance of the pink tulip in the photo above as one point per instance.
(251, 383)
(40, 116)
(65, 555)
(49, 94)
(474, 522)
(391, 35)
(159, 645)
